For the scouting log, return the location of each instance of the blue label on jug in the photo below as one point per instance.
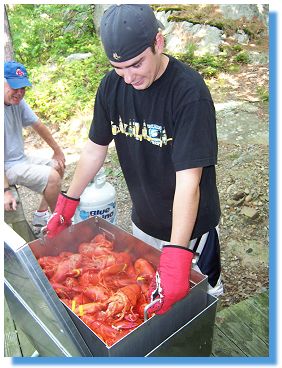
(107, 213)
(83, 214)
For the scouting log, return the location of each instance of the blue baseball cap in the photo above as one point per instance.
(127, 30)
(16, 75)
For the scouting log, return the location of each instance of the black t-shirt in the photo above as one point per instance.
(167, 127)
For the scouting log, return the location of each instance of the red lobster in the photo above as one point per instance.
(123, 301)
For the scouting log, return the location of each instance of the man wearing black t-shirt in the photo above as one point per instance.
(161, 116)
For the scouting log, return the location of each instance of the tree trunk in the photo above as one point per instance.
(8, 44)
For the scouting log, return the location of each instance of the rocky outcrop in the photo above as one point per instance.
(207, 39)
(204, 38)
(246, 11)
(181, 35)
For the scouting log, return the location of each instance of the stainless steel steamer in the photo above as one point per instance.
(54, 330)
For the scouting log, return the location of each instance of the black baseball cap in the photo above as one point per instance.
(127, 30)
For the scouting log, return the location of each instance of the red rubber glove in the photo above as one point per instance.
(61, 218)
(171, 283)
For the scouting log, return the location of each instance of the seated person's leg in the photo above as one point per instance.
(52, 189)
(41, 178)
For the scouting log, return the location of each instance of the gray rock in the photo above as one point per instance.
(162, 16)
(180, 35)
(241, 37)
(238, 195)
(258, 58)
(231, 189)
(248, 198)
(98, 13)
(249, 212)
(237, 120)
(248, 11)
(75, 57)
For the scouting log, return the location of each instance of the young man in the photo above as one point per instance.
(161, 116)
(38, 174)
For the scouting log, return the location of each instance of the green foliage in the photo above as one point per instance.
(190, 51)
(263, 93)
(242, 57)
(61, 90)
(228, 60)
(167, 8)
(208, 65)
(43, 36)
(237, 47)
(42, 32)
(233, 68)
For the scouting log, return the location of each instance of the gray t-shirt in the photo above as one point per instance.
(16, 117)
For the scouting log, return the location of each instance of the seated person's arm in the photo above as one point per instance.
(46, 135)
(10, 203)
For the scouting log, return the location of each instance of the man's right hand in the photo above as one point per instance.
(61, 218)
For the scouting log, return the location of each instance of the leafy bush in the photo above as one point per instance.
(242, 57)
(43, 35)
(62, 89)
(208, 65)
(42, 32)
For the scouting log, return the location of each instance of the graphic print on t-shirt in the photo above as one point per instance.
(153, 133)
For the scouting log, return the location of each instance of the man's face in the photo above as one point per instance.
(13, 96)
(142, 70)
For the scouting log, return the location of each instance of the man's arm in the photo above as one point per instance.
(172, 277)
(10, 203)
(46, 135)
(185, 205)
(91, 160)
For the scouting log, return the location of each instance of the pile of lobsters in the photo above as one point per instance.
(105, 288)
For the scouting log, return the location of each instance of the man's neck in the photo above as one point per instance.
(163, 65)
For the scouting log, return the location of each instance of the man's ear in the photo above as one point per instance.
(159, 43)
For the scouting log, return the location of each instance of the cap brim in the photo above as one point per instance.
(161, 26)
(17, 83)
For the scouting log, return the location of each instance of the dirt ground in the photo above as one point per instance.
(242, 176)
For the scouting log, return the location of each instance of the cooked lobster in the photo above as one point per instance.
(123, 301)
(105, 288)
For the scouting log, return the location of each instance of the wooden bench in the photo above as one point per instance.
(242, 330)
(16, 344)
(17, 220)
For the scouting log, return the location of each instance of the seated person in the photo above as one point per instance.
(42, 175)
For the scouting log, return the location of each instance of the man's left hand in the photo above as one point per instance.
(172, 281)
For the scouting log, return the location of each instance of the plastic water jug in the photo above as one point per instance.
(98, 199)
